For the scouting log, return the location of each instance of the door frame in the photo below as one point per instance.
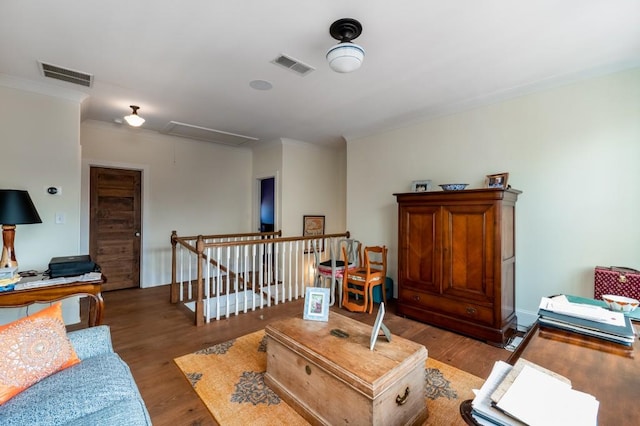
(85, 188)
(256, 200)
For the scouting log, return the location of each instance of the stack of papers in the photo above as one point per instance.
(531, 396)
(89, 276)
(8, 277)
(589, 320)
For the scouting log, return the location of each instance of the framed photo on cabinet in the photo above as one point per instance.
(420, 186)
(498, 180)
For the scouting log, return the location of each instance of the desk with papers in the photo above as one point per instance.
(607, 371)
(38, 290)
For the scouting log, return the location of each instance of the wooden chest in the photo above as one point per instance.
(338, 381)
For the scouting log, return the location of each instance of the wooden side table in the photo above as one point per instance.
(54, 293)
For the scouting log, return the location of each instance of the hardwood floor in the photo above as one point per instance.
(148, 332)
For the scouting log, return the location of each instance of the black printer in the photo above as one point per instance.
(71, 266)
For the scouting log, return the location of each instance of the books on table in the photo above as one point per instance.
(588, 320)
(8, 277)
(527, 394)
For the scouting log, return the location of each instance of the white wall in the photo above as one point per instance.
(573, 151)
(189, 186)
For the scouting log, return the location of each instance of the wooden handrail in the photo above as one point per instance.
(198, 246)
(242, 235)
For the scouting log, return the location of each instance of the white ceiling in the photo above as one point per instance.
(192, 61)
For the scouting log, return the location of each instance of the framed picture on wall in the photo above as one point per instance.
(498, 180)
(420, 186)
(313, 225)
(316, 304)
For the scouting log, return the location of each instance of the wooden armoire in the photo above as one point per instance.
(456, 260)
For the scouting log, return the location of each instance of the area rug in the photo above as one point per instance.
(229, 378)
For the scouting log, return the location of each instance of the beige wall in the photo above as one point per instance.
(189, 186)
(40, 146)
(313, 183)
(267, 163)
(572, 150)
(310, 180)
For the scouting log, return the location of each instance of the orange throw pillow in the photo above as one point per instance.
(33, 348)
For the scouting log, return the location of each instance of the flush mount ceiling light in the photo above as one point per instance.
(345, 56)
(134, 119)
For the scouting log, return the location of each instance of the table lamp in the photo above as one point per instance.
(16, 208)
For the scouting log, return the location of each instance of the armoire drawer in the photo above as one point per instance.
(451, 307)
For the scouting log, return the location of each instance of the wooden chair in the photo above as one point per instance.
(361, 281)
(334, 268)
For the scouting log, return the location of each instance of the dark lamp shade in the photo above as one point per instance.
(16, 208)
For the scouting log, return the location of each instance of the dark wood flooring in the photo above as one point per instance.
(149, 332)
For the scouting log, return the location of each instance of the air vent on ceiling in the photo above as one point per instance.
(190, 131)
(64, 74)
(293, 65)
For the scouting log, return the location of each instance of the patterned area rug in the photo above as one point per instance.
(229, 378)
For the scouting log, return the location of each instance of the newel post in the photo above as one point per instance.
(174, 297)
(200, 287)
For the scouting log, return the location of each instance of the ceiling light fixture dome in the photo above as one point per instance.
(134, 119)
(345, 56)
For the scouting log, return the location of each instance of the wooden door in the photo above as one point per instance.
(115, 225)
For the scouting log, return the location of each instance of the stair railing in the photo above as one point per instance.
(221, 275)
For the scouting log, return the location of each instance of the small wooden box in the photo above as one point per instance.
(338, 380)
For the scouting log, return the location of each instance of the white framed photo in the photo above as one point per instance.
(421, 186)
(316, 304)
(377, 326)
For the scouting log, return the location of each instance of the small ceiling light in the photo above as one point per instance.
(134, 119)
(345, 56)
(260, 85)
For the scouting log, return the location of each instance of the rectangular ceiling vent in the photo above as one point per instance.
(292, 64)
(175, 128)
(64, 74)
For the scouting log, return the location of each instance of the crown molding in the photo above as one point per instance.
(42, 88)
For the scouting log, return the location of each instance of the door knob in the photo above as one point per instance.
(137, 234)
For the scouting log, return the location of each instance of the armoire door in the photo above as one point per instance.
(468, 241)
(419, 251)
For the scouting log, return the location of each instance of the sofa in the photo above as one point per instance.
(99, 390)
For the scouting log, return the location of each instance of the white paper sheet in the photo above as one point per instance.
(539, 399)
(482, 401)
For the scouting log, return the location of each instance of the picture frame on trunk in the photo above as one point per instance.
(316, 304)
